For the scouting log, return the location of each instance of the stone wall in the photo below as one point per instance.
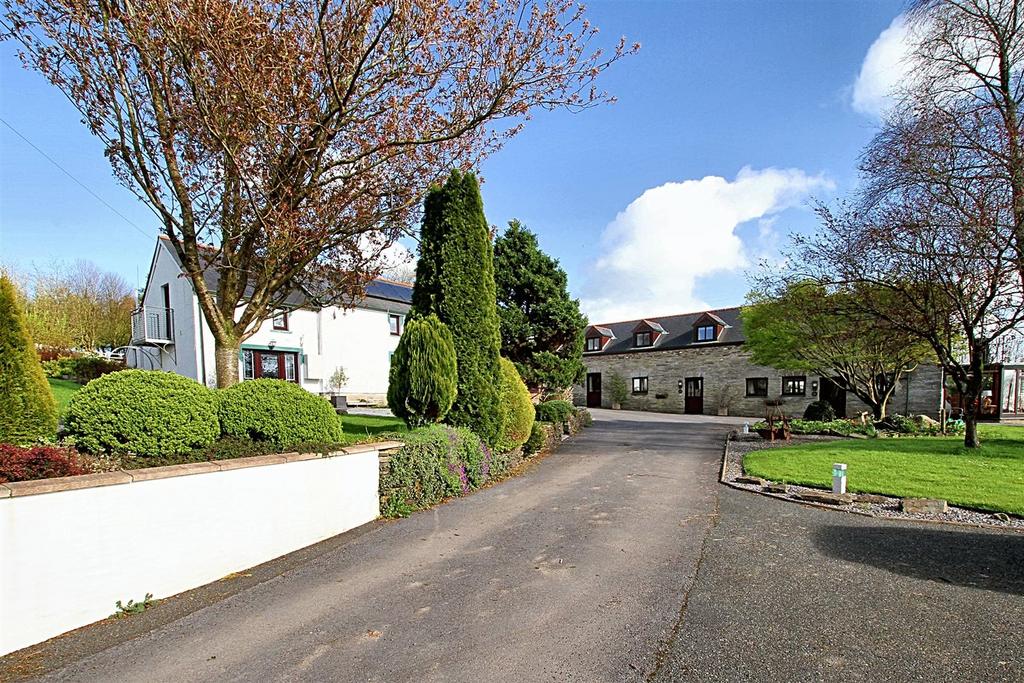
(725, 370)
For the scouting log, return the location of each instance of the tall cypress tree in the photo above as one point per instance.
(455, 282)
(27, 409)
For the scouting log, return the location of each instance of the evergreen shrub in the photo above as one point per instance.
(28, 412)
(277, 411)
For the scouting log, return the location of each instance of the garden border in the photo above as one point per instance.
(723, 479)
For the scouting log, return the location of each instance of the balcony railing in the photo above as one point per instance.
(152, 325)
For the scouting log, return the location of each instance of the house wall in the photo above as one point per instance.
(725, 370)
(357, 339)
(69, 555)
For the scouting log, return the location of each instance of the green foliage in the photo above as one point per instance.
(541, 325)
(436, 462)
(588, 419)
(277, 411)
(538, 437)
(27, 409)
(555, 410)
(455, 281)
(617, 388)
(423, 381)
(133, 607)
(517, 409)
(833, 427)
(82, 369)
(820, 411)
(806, 326)
(146, 412)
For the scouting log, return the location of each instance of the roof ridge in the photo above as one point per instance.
(674, 315)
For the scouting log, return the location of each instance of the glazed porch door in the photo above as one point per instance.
(594, 390)
(694, 396)
(276, 365)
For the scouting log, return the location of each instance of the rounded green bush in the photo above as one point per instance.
(517, 409)
(145, 412)
(538, 437)
(819, 411)
(555, 410)
(277, 411)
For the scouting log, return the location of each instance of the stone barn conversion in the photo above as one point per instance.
(695, 363)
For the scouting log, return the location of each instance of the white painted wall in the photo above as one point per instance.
(67, 557)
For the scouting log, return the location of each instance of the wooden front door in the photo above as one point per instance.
(694, 396)
(594, 390)
(276, 365)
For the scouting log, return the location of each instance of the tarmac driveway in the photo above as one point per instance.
(619, 557)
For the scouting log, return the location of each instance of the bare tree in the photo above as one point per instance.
(296, 138)
(930, 246)
(968, 63)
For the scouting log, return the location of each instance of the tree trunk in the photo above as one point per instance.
(971, 431)
(226, 354)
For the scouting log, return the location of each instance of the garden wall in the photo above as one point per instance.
(72, 547)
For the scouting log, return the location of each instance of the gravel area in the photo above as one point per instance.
(738, 445)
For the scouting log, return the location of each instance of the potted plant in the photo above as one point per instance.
(725, 397)
(335, 383)
(618, 389)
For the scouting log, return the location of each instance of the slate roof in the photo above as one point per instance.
(678, 332)
(381, 290)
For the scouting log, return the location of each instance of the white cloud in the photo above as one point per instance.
(399, 263)
(885, 67)
(668, 237)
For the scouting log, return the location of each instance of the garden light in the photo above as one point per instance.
(839, 477)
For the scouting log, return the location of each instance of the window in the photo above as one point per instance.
(757, 386)
(706, 333)
(639, 385)
(247, 365)
(289, 367)
(794, 386)
(642, 339)
(281, 320)
(395, 323)
(593, 343)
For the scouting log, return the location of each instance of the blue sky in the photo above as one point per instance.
(645, 202)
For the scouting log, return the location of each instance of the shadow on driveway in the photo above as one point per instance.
(991, 561)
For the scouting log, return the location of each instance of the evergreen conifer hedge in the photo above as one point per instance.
(455, 281)
(423, 380)
(517, 408)
(28, 412)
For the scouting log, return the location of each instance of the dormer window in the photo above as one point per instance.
(593, 344)
(705, 333)
(641, 339)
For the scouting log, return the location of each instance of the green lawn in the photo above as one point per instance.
(990, 478)
(63, 390)
(367, 427)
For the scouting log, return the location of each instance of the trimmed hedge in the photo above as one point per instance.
(455, 281)
(517, 409)
(555, 410)
(423, 379)
(27, 410)
(436, 462)
(145, 412)
(38, 462)
(277, 411)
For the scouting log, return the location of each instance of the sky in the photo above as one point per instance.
(731, 119)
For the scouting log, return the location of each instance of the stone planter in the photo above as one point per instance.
(723, 412)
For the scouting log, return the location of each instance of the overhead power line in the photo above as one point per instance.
(79, 182)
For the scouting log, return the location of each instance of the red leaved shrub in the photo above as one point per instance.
(19, 463)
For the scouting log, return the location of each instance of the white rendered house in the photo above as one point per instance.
(300, 345)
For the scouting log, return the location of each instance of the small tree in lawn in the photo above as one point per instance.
(541, 325)
(27, 409)
(455, 282)
(802, 325)
(423, 381)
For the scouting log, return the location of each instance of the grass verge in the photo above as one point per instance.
(359, 428)
(990, 478)
(63, 390)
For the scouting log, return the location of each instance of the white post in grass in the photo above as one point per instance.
(839, 477)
